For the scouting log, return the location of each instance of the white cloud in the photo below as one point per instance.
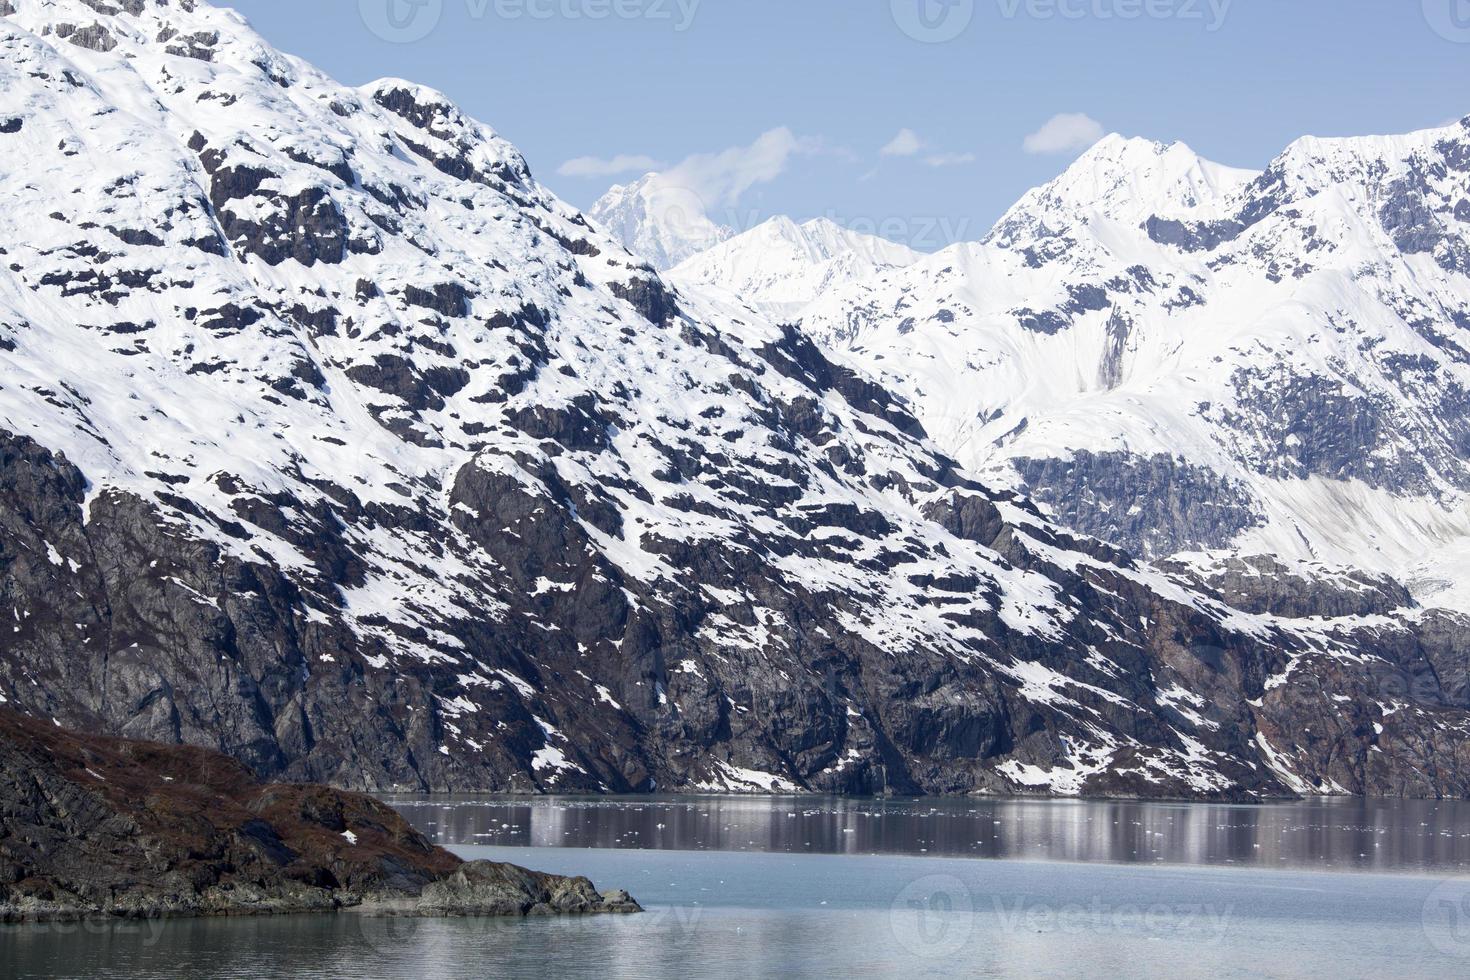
(950, 159)
(1064, 133)
(910, 144)
(906, 144)
(721, 178)
(623, 163)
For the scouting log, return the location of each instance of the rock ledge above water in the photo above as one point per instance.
(93, 826)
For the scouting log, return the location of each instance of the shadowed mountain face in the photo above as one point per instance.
(332, 440)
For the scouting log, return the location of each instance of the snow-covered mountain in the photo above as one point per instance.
(659, 220)
(1176, 356)
(780, 267)
(331, 438)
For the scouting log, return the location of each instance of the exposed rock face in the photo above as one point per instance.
(94, 826)
(238, 672)
(1268, 586)
(1157, 505)
(487, 888)
(420, 482)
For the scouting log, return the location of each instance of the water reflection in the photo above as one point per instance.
(1366, 835)
(715, 915)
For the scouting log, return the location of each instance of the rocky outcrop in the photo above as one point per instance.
(1268, 586)
(1151, 505)
(94, 826)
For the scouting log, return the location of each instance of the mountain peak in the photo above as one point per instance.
(1117, 146)
(1137, 154)
(632, 188)
(1387, 175)
(1117, 168)
(658, 220)
(1122, 179)
(781, 267)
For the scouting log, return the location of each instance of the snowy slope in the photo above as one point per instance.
(659, 220)
(780, 267)
(1174, 356)
(331, 438)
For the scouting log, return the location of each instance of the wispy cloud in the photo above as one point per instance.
(721, 178)
(1064, 133)
(906, 144)
(612, 167)
(949, 159)
(909, 144)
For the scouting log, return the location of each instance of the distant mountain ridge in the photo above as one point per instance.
(1181, 357)
(780, 267)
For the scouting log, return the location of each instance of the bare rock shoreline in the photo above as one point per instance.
(103, 827)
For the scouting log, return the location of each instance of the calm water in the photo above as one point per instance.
(788, 888)
(1321, 835)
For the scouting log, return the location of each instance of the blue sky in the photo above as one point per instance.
(831, 83)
